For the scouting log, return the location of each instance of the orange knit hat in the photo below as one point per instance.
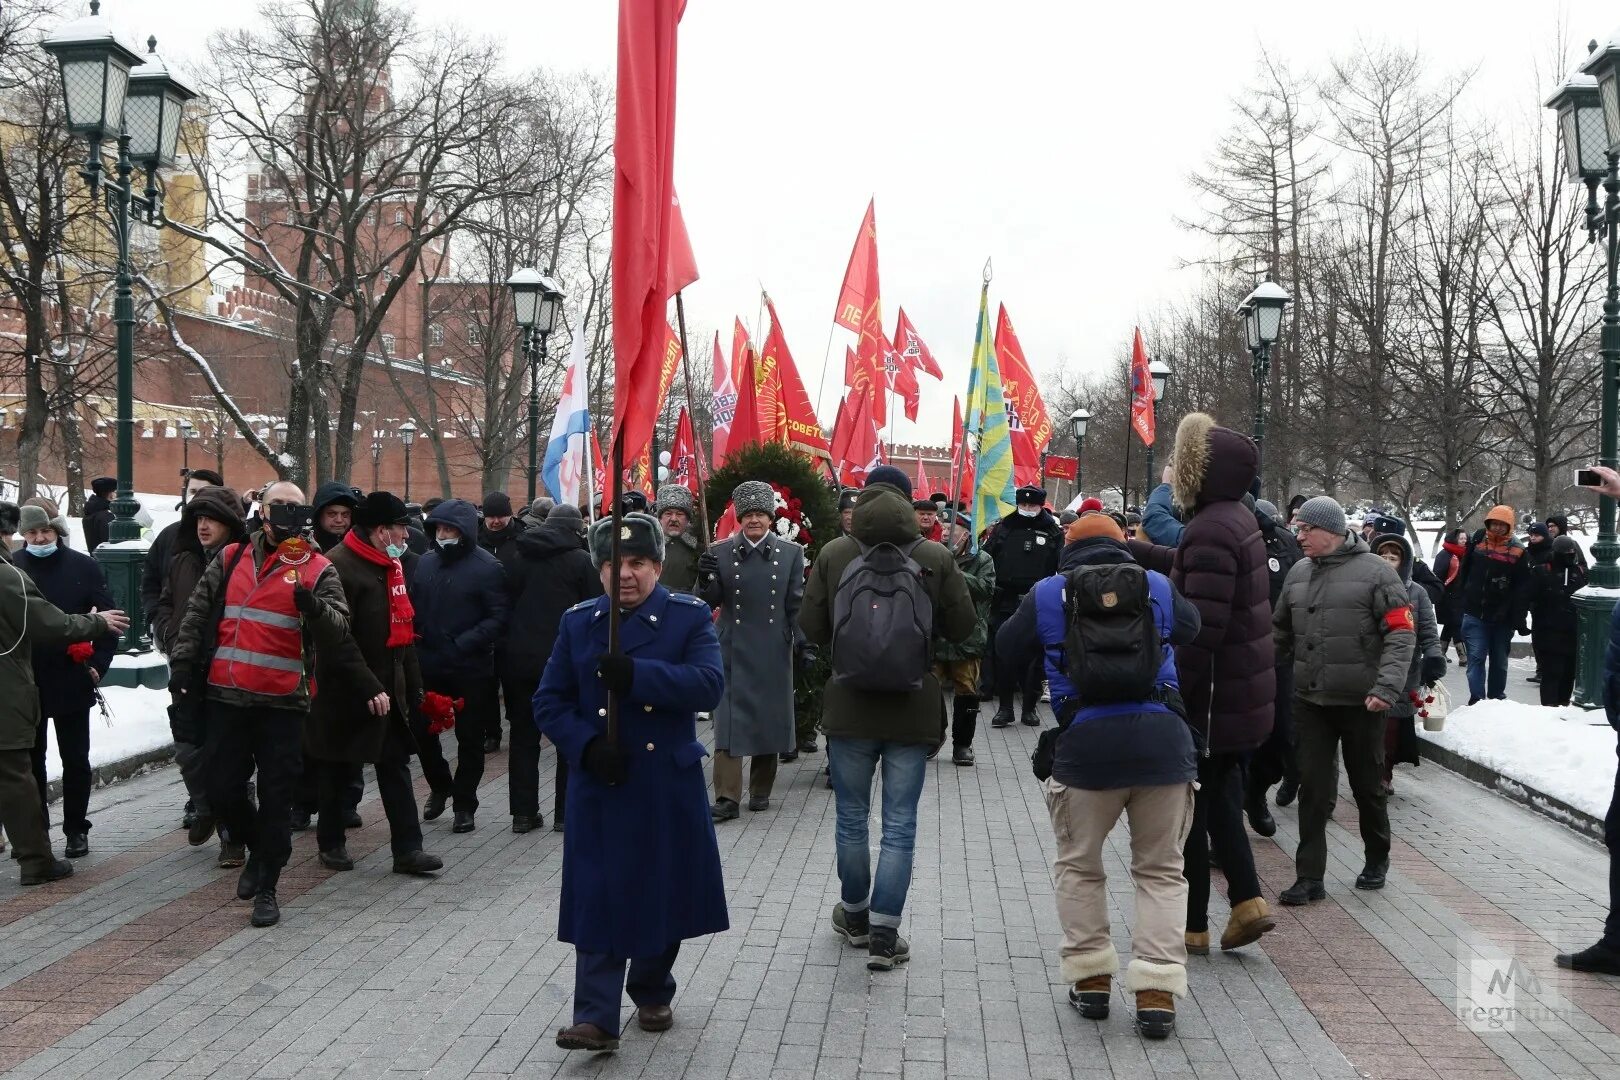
(1092, 524)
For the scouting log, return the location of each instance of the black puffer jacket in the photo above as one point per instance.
(460, 599)
(1228, 677)
(551, 574)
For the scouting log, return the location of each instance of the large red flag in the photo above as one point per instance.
(785, 412)
(741, 350)
(723, 406)
(903, 378)
(909, 344)
(862, 449)
(844, 427)
(682, 268)
(860, 288)
(1029, 426)
(683, 455)
(962, 458)
(745, 421)
(643, 210)
(925, 485)
(1142, 421)
(604, 489)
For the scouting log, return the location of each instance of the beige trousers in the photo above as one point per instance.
(1159, 818)
(728, 775)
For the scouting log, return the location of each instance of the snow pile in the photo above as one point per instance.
(1568, 754)
(140, 724)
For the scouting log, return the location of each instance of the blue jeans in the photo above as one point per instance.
(853, 762)
(1487, 641)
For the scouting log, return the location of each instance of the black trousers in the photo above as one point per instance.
(73, 745)
(964, 719)
(1611, 840)
(1002, 680)
(394, 788)
(240, 739)
(19, 809)
(1557, 675)
(1274, 760)
(1322, 730)
(1218, 820)
(309, 787)
(523, 756)
(471, 722)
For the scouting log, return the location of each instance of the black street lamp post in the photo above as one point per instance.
(376, 460)
(187, 433)
(140, 111)
(1262, 312)
(1161, 382)
(1588, 108)
(1077, 424)
(537, 305)
(407, 435)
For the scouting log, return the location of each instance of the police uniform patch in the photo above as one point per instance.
(1040, 539)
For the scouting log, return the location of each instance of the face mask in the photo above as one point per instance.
(1028, 511)
(396, 551)
(448, 545)
(42, 550)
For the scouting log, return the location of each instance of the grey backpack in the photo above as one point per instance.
(883, 621)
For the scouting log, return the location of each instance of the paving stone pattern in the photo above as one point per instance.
(143, 965)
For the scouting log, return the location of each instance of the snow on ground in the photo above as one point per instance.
(140, 724)
(1568, 754)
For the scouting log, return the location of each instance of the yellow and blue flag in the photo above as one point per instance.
(986, 425)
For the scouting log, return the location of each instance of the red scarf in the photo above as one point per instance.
(401, 615)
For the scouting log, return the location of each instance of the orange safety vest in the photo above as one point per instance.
(260, 640)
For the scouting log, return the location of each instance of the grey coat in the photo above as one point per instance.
(1346, 619)
(757, 593)
(1428, 633)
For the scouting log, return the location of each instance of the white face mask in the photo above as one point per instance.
(1028, 511)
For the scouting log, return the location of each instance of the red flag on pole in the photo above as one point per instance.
(860, 289)
(643, 210)
(1142, 420)
(904, 381)
(682, 268)
(604, 482)
(1029, 425)
(911, 348)
(723, 406)
(683, 455)
(741, 350)
(963, 457)
(745, 421)
(785, 412)
(924, 484)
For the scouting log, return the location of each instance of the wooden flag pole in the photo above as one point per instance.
(698, 454)
(611, 731)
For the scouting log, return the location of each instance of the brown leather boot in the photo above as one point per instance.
(1249, 920)
(1198, 942)
(587, 1037)
(1155, 1013)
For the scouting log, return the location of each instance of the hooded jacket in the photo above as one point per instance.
(979, 571)
(1494, 574)
(460, 596)
(551, 574)
(188, 559)
(882, 514)
(328, 493)
(1346, 619)
(1428, 631)
(1551, 586)
(1221, 565)
(98, 516)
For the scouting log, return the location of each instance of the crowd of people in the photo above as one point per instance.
(1194, 656)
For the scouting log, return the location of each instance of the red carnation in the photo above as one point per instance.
(441, 711)
(80, 652)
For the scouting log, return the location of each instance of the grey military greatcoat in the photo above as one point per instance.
(757, 595)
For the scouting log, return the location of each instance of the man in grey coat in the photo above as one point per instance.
(755, 580)
(1346, 619)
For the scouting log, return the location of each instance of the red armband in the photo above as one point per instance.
(1399, 619)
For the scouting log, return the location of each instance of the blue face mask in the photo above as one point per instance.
(396, 551)
(42, 550)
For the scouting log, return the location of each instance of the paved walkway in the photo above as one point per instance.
(143, 966)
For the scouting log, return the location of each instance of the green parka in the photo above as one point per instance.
(979, 571)
(28, 619)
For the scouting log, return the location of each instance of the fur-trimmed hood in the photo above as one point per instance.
(1213, 463)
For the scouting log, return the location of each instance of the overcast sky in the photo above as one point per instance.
(1053, 136)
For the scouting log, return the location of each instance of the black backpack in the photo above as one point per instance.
(1112, 647)
(883, 621)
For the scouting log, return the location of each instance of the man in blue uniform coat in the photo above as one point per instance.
(641, 870)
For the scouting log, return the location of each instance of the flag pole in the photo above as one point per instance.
(585, 452)
(826, 362)
(698, 454)
(611, 730)
(1125, 488)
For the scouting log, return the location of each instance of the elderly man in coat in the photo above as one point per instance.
(641, 869)
(681, 546)
(756, 582)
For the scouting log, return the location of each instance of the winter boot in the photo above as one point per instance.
(1004, 714)
(1260, 819)
(1155, 1014)
(1249, 920)
(1197, 942)
(1372, 875)
(266, 911)
(1601, 958)
(1287, 791)
(886, 949)
(1090, 997)
(1156, 987)
(853, 926)
(1303, 891)
(337, 858)
(247, 884)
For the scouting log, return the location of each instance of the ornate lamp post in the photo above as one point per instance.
(1262, 312)
(1588, 108)
(187, 433)
(537, 304)
(140, 110)
(281, 435)
(376, 459)
(407, 435)
(1077, 424)
(1161, 382)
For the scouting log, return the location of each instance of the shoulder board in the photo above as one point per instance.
(687, 599)
(583, 605)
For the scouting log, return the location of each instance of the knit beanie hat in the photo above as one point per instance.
(1266, 507)
(752, 495)
(888, 474)
(1323, 513)
(1094, 523)
(566, 515)
(497, 504)
(1090, 505)
(540, 508)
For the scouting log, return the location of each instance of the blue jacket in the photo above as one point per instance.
(641, 869)
(1113, 746)
(73, 581)
(460, 600)
(1159, 519)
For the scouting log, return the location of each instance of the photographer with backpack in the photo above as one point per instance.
(876, 597)
(1104, 628)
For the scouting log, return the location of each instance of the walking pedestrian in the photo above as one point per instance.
(1227, 673)
(73, 582)
(1494, 572)
(1553, 622)
(754, 581)
(956, 663)
(1346, 620)
(552, 574)
(1449, 612)
(1122, 746)
(460, 597)
(641, 869)
(881, 706)
(1428, 661)
(681, 546)
(334, 514)
(98, 515)
(155, 568)
(1025, 548)
(245, 652)
(498, 533)
(1274, 761)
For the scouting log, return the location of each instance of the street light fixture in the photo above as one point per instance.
(141, 110)
(281, 435)
(187, 433)
(1077, 424)
(1160, 372)
(376, 459)
(1262, 313)
(1593, 158)
(537, 306)
(407, 435)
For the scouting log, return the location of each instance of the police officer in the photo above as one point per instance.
(846, 508)
(641, 869)
(1025, 547)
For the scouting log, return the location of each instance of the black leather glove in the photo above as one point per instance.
(617, 670)
(1434, 669)
(808, 654)
(304, 600)
(604, 761)
(708, 564)
(185, 725)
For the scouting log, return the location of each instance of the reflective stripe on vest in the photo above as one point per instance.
(260, 639)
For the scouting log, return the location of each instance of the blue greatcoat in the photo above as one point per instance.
(641, 869)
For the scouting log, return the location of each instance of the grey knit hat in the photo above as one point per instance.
(1266, 507)
(540, 508)
(753, 495)
(675, 497)
(1323, 513)
(640, 534)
